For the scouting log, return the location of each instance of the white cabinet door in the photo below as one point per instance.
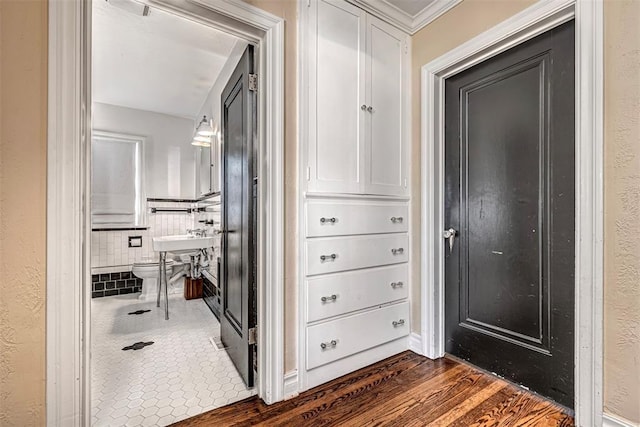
(339, 338)
(346, 217)
(337, 92)
(330, 295)
(333, 254)
(385, 152)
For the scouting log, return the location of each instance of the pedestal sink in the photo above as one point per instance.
(182, 244)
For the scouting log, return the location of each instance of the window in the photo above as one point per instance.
(116, 180)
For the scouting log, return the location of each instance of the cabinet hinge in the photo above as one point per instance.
(405, 183)
(406, 47)
(253, 82)
(253, 335)
(308, 173)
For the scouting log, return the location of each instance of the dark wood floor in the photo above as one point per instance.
(404, 390)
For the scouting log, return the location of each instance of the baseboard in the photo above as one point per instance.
(415, 343)
(291, 384)
(609, 420)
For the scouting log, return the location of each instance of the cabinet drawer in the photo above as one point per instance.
(342, 293)
(330, 341)
(345, 218)
(349, 253)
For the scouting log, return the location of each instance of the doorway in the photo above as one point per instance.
(531, 22)
(69, 295)
(509, 210)
(162, 349)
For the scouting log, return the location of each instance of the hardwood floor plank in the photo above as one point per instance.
(449, 418)
(403, 390)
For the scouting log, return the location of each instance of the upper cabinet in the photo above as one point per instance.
(358, 122)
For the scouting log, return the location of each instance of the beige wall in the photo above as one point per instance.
(288, 9)
(622, 176)
(23, 115)
(622, 209)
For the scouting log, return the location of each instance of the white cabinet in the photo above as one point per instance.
(355, 285)
(358, 102)
(355, 230)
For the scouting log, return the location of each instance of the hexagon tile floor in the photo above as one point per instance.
(180, 375)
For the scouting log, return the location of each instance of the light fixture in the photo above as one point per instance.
(203, 133)
(204, 127)
(201, 141)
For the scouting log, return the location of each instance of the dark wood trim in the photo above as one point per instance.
(403, 390)
(169, 200)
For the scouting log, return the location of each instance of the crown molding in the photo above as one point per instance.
(432, 12)
(410, 24)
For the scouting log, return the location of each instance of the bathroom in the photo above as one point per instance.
(157, 81)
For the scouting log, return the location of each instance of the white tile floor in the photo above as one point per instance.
(182, 374)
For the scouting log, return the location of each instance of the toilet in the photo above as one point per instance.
(148, 271)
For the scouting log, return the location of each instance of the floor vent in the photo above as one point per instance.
(137, 346)
(138, 312)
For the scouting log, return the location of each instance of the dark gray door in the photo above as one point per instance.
(237, 266)
(509, 194)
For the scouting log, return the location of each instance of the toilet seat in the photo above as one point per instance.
(151, 263)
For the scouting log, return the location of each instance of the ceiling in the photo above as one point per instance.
(410, 7)
(160, 63)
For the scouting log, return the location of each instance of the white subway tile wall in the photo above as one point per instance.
(110, 251)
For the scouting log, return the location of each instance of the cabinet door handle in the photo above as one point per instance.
(397, 285)
(363, 107)
(395, 219)
(331, 344)
(397, 251)
(397, 323)
(370, 109)
(330, 298)
(325, 220)
(328, 257)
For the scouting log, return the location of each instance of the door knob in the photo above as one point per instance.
(450, 235)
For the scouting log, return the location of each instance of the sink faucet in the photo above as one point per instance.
(198, 232)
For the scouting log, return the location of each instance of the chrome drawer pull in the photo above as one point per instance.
(397, 323)
(328, 257)
(331, 298)
(395, 219)
(396, 284)
(397, 251)
(331, 344)
(324, 220)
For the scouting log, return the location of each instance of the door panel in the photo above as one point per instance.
(338, 69)
(238, 206)
(509, 193)
(385, 154)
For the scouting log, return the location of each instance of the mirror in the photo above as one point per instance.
(205, 170)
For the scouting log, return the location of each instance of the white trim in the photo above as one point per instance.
(68, 228)
(402, 20)
(415, 343)
(609, 420)
(291, 384)
(523, 26)
(67, 219)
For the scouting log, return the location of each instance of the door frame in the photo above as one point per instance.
(68, 388)
(535, 20)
